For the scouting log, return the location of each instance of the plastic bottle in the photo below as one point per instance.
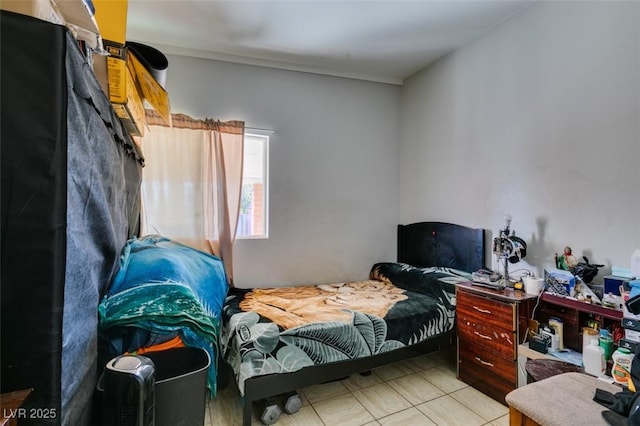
(609, 301)
(621, 370)
(606, 342)
(557, 325)
(593, 359)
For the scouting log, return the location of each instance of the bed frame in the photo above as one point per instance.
(420, 244)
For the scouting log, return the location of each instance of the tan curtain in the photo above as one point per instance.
(192, 181)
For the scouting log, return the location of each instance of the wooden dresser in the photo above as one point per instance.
(490, 324)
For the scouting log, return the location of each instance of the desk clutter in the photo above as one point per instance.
(602, 336)
(613, 319)
(589, 335)
(607, 332)
(603, 350)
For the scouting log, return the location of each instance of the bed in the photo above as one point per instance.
(282, 339)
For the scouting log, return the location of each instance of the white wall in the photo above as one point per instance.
(333, 166)
(539, 118)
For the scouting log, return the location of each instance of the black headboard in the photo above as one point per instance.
(425, 244)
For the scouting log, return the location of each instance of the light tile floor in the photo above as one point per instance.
(419, 391)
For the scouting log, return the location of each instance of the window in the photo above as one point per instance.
(252, 221)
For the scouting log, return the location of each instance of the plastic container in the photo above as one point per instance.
(621, 370)
(181, 385)
(606, 342)
(588, 335)
(593, 359)
(533, 285)
(558, 326)
(550, 332)
(635, 263)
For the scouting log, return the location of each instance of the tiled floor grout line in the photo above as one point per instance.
(411, 405)
(386, 381)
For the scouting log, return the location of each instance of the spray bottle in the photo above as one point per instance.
(621, 370)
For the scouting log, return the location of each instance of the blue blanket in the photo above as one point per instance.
(165, 288)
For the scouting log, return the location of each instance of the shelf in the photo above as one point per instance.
(609, 313)
(570, 356)
(524, 350)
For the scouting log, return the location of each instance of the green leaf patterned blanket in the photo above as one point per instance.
(278, 330)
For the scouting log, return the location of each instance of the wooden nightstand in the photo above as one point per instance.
(490, 324)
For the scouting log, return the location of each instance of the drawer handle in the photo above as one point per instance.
(482, 335)
(484, 311)
(483, 362)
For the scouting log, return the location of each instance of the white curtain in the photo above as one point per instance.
(191, 183)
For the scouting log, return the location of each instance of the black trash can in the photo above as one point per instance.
(181, 386)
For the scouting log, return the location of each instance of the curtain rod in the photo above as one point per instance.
(259, 130)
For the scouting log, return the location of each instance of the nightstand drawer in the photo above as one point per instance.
(497, 339)
(487, 325)
(475, 361)
(482, 379)
(485, 310)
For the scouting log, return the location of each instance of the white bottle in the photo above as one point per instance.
(593, 359)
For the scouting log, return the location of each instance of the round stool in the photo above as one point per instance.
(539, 369)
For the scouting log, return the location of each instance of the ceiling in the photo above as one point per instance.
(384, 40)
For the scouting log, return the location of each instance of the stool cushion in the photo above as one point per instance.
(564, 399)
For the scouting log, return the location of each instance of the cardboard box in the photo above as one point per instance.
(111, 16)
(81, 22)
(628, 344)
(631, 323)
(101, 60)
(127, 84)
(631, 329)
(118, 84)
(564, 278)
(41, 9)
(78, 13)
(632, 335)
(75, 14)
(131, 111)
(612, 284)
(116, 72)
(151, 90)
